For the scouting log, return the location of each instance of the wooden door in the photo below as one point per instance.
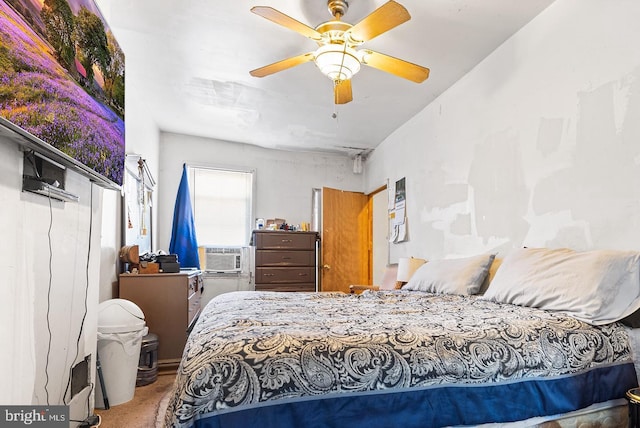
(346, 240)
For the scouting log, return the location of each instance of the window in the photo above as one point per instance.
(222, 202)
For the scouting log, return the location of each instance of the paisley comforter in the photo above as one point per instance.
(387, 359)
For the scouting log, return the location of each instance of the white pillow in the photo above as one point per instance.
(597, 287)
(451, 276)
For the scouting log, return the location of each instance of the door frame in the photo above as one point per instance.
(377, 241)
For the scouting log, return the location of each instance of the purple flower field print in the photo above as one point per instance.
(62, 80)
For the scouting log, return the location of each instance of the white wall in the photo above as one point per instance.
(284, 179)
(142, 138)
(110, 244)
(537, 146)
(49, 260)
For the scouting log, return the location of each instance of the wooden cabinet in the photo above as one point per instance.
(285, 261)
(170, 303)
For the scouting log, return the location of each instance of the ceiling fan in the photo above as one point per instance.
(337, 55)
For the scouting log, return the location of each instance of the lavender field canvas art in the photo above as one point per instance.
(62, 80)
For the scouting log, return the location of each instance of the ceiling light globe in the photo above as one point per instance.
(337, 61)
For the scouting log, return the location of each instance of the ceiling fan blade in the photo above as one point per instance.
(398, 67)
(342, 91)
(282, 65)
(286, 21)
(384, 18)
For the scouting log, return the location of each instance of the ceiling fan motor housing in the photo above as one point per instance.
(337, 8)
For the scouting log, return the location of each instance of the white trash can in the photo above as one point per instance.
(121, 327)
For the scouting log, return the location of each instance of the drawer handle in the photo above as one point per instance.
(286, 240)
(269, 274)
(286, 258)
(302, 274)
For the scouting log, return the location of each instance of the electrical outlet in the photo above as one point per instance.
(80, 376)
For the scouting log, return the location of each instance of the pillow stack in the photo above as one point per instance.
(597, 287)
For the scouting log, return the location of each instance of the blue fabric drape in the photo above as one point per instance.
(183, 234)
(436, 405)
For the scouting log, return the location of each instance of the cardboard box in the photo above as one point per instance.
(274, 223)
(149, 267)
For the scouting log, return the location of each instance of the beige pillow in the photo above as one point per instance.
(597, 287)
(451, 276)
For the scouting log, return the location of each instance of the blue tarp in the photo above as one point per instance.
(183, 234)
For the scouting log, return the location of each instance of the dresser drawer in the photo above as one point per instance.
(285, 240)
(285, 258)
(283, 275)
(193, 308)
(286, 287)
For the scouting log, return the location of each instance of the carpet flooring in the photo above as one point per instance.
(145, 410)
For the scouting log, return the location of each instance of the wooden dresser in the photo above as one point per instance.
(285, 261)
(170, 303)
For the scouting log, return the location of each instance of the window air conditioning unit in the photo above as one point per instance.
(223, 259)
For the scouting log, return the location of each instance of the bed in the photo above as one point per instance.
(438, 352)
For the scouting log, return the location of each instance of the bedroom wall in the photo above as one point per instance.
(50, 258)
(536, 146)
(142, 138)
(284, 179)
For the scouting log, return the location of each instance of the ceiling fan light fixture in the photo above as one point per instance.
(337, 56)
(337, 61)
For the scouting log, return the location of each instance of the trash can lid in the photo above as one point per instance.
(119, 316)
